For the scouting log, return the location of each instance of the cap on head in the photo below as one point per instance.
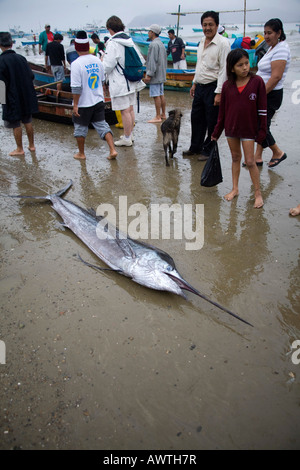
(47, 25)
(82, 42)
(155, 28)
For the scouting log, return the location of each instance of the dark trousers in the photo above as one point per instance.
(204, 117)
(273, 104)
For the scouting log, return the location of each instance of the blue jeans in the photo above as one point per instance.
(101, 127)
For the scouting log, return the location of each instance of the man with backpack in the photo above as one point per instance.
(123, 84)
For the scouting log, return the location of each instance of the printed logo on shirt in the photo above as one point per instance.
(93, 81)
(93, 71)
(252, 96)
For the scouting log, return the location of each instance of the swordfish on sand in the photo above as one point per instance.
(143, 263)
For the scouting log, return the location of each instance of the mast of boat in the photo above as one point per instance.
(179, 14)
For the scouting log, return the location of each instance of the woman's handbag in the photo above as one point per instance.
(212, 172)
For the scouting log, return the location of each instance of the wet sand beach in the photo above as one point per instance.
(95, 361)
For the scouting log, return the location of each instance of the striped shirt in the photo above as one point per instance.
(280, 52)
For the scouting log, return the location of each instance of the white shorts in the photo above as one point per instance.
(242, 139)
(119, 103)
(180, 65)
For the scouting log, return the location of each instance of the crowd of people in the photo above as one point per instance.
(226, 94)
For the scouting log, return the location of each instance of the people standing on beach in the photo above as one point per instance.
(207, 85)
(122, 91)
(99, 49)
(176, 47)
(87, 78)
(272, 68)
(243, 115)
(221, 30)
(156, 75)
(20, 95)
(55, 56)
(71, 53)
(45, 37)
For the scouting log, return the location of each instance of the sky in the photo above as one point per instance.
(64, 14)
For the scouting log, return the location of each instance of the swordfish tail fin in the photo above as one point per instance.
(59, 193)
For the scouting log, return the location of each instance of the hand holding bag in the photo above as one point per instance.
(212, 172)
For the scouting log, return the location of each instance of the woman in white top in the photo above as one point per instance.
(273, 68)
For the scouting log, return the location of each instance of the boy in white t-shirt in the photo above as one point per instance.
(87, 77)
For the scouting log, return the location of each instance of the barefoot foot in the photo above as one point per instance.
(258, 202)
(17, 153)
(231, 195)
(155, 120)
(31, 149)
(295, 211)
(80, 156)
(112, 156)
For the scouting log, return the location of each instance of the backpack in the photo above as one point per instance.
(133, 70)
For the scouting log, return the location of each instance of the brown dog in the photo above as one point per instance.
(170, 129)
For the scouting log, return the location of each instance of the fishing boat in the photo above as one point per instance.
(140, 39)
(59, 108)
(179, 80)
(16, 32)
(231, 27)
(29, 43)
(42, 77)
(198, 30)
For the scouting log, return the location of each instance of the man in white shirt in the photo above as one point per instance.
(87, 77)
(207, 85)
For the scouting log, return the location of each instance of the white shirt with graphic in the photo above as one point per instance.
(87, 74)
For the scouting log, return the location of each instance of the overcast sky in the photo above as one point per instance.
(65, 14)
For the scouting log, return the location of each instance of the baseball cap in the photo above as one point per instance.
(155, 28)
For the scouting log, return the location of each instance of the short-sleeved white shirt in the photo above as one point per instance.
(280, 52)
(87, 73)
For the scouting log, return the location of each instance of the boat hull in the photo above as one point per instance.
(143, 45)
(60, 109)
(41, 77)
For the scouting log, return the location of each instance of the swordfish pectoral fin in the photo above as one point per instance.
(98, 267)
(126, 247)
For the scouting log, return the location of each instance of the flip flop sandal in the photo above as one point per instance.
(257, 164)
(276, 161)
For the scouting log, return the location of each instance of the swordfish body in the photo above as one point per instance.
(143, 263)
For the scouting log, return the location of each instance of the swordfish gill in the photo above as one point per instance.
(143, 263)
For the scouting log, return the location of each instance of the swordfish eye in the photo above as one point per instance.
(169, 268)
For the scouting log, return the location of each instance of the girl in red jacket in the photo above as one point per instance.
(243, 115)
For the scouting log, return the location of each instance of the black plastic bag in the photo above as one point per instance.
(212, 172)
